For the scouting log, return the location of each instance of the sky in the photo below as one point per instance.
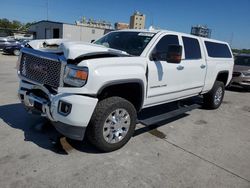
(228, 19)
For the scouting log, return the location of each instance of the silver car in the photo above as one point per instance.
(241, 73)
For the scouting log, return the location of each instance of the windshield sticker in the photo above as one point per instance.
(146, 34)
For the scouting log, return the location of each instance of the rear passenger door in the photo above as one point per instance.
(193, 67)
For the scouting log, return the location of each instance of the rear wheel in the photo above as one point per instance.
(16, 52)
(112, 124)
(214, 98)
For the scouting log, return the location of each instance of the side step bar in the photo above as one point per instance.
(167, 115)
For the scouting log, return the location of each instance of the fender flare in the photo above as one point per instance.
(126, 81)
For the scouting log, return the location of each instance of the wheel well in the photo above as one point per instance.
(223, 77)
(132, 92)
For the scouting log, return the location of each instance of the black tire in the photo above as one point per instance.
(104, 108)
(247, 88)
(209, 99)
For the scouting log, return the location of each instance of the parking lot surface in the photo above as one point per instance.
(199, 149)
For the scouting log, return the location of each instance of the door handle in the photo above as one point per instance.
(203, 66)
(180, 67)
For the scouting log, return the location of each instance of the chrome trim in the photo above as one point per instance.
(174, 92)
(40, 54)
(63, 60)
(44, 55)
(170, 100)
(180, 67)
(203, 66)
(29, 99)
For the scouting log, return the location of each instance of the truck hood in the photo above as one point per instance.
(71, 49)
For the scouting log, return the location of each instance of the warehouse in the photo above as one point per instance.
(50, 29)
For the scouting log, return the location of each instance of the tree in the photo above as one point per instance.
(241, 51)
(14, 25)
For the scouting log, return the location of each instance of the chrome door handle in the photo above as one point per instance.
(180, 67)
(203, 66)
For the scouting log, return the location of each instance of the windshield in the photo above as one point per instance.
(242, 60)
(131, 42)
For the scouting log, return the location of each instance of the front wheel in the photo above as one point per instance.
(16, 52)
(214, 98)
(112, 124)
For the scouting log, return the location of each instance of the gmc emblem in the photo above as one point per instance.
(39, 68)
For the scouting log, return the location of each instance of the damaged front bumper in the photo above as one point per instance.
(69, 113)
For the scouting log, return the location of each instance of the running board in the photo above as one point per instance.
(165, 116)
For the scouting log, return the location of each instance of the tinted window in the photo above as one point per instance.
(242, 60)
(131, 42)
(192, 48)
(217, 50)
(162, 47)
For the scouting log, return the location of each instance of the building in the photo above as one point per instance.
(202, 31)
(120, 25)
(137, 21)
(16, 34)
(94, 23)
(49, 30)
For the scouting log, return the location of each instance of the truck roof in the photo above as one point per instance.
(169, 31)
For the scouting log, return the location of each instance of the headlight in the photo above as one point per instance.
(246, 73)
(75, 76)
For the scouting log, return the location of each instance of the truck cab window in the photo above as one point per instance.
(161, 47)
(192, 48)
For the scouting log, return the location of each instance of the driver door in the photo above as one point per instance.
(164, 78)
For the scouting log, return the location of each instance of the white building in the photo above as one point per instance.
(49, 30)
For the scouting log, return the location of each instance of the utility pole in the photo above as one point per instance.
(231, 39)
(47, 10)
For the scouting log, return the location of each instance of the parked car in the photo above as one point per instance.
(4, 41)
(99, 89)
(15, 48)
(241, 72)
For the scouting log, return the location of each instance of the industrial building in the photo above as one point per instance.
(50, 30)
(101, 24)
(120, 25)
(202, 31)
(137, 21)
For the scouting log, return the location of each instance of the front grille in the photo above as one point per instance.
(41, 70)
(236, 74)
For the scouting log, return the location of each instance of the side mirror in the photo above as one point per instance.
(174, 54)
(92, 41)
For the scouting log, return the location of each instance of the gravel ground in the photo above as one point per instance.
(199, 149)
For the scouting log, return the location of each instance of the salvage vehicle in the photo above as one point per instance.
(98, 89)
(241, 71)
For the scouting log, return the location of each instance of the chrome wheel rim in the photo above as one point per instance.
(116, 126)
(16, 52)
(218, 96)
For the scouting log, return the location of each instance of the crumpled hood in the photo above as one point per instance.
(70, 49)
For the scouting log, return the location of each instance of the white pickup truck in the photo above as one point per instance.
(98, 89)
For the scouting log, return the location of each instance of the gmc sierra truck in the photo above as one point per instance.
(98, 89)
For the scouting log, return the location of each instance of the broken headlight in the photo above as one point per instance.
(75, 76)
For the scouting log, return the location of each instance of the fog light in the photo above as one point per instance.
(64, 108)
